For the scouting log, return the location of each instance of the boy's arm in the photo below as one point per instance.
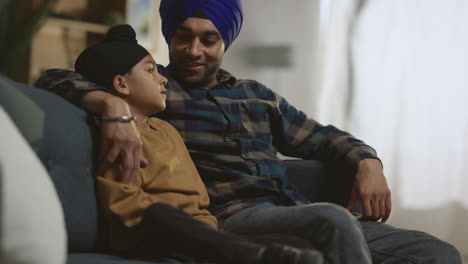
(120, 141)
(126, 202)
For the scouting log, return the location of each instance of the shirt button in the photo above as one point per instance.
(245, 105)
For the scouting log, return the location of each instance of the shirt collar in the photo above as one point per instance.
(225, 78)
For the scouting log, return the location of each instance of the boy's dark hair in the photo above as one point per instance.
(115, 55)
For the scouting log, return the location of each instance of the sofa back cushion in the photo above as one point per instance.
(60, 135)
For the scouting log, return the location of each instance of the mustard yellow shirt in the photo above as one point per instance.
(170, 177)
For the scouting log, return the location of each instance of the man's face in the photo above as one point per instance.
(196, 52)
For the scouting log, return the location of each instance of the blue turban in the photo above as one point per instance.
(226, 15)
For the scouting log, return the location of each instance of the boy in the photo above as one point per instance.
(165, 210)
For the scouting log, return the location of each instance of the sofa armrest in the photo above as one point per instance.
(320, 182)
(62, 138)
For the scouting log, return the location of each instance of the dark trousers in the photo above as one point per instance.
(166, 230)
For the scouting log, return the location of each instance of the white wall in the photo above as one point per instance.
(279, 22)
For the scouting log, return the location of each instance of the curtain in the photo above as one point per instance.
(410, 101)
(332, 64)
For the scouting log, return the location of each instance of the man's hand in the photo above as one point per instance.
(120, 141)
(371, 189)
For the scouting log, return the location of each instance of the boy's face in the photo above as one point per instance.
(147, 92)
(196, 52)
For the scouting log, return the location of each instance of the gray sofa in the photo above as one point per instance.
(62, 136)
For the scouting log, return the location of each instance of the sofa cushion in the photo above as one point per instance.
(59, 134)
(80, 258)
(30, 211)
(320, 182)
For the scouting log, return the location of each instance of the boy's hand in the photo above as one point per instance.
(371, 189)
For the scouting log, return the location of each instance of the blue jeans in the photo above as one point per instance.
(341, 238)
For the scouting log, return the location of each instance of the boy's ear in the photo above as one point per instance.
(120, 85)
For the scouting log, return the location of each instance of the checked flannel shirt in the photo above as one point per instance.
(233, 132)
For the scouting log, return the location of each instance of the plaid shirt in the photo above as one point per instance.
(233, 132)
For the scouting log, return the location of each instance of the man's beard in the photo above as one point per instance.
(203, 81)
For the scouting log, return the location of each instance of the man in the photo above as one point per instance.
(234, 129)
(165, 210)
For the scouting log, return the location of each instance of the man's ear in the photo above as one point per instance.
(120, 85)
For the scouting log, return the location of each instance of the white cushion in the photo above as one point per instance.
(32, 222)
